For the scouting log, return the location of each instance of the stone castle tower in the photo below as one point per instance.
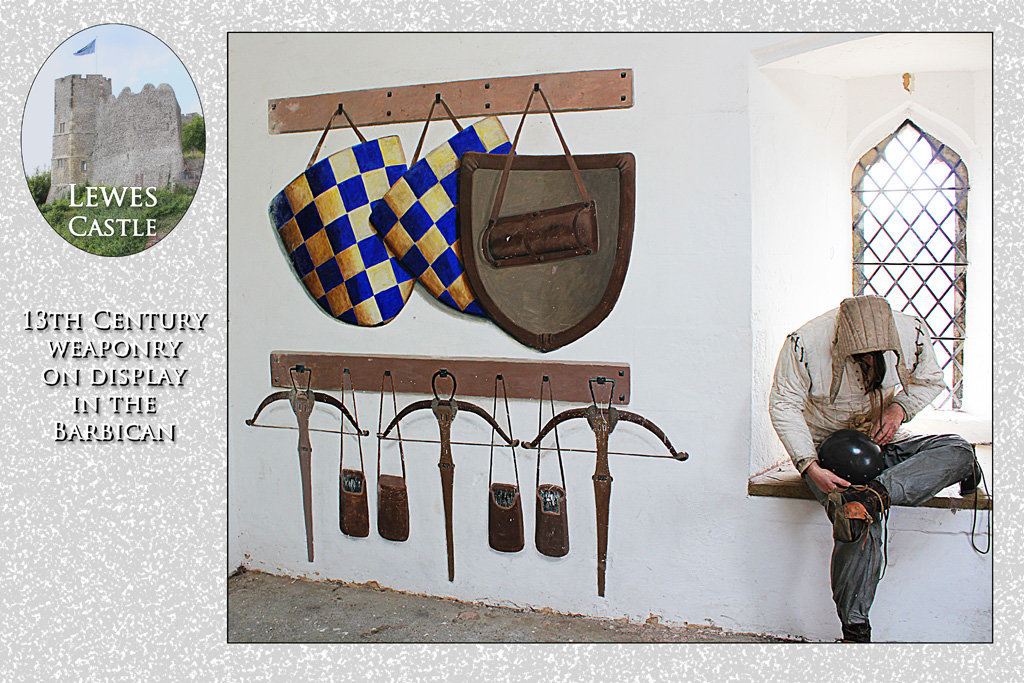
(76, 100)
(133, 139)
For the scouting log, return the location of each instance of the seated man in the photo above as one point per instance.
(862, 366)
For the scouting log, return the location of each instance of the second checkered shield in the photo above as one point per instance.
(417, 216)
(323, 220)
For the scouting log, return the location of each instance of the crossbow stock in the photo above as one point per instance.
(602, 421)
(302, 400)
(444, 410)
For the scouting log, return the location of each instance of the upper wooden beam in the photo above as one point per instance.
(570, 91)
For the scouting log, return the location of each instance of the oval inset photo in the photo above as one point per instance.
(113, 140)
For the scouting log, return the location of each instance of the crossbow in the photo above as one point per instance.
(444, 410)
(602, 421)
(302, 400)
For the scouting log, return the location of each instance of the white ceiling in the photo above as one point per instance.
(893, 53)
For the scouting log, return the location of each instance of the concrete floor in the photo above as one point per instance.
(264, 608)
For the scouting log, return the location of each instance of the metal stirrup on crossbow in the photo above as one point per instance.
(444, 410)
(602, 421)
(302, 401)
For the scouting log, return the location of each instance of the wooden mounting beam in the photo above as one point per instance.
(570, 91)
(475, 376)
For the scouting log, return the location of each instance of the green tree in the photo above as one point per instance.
(39, 186)
(193, 136)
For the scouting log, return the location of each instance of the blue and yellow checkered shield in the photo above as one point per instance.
(323, 220)
(417, 216)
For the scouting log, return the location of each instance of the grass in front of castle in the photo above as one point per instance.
(170, 207)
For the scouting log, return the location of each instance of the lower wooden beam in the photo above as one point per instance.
(475, 376)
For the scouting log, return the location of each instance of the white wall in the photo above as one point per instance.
(800, 193)
(686, 542)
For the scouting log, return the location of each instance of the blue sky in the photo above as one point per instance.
(128, 56)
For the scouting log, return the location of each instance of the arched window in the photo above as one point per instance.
(910, 239)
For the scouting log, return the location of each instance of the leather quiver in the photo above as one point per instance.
(392, 508)
(505, 518)
(354, 512)
(552, 530)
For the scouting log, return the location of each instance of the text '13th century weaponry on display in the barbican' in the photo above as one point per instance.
(121, 373)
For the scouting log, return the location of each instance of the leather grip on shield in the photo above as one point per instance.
(539, 236)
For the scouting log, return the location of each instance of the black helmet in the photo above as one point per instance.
(852, 455)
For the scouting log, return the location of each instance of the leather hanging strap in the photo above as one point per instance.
(499, 197)
(380, 418)
(508, 416)
(545, 381)
(346, 375)
(430, 114)
(323, 136)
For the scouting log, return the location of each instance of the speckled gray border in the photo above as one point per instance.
(142, 594)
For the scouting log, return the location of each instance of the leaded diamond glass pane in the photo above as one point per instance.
(910, 244)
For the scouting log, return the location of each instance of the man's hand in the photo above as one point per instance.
(892, 418)
(826, 480)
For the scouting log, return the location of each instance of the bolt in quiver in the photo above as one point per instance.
(504, 502)
(353, 507)
(552, 518)
(392, 494)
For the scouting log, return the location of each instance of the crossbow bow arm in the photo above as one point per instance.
(653, 429)
(459, 405)
(318, 397)
(411, 408)
(582, 413)
(276, 396)
(321, 397)
(477, 410)
(564, 416)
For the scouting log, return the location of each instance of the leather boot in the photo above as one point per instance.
(853, 509)
(857, 633)
(969, 484)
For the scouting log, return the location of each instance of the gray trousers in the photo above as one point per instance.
(916, 469)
